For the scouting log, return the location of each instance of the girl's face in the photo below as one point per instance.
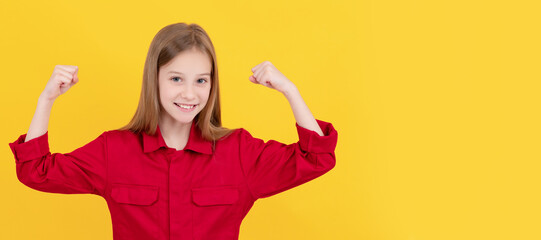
(184, 85)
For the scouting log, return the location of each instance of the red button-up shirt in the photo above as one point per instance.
(157, 192)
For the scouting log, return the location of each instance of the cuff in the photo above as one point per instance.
(35, 148)
(310, 141)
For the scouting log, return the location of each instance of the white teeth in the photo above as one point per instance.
(185, 106)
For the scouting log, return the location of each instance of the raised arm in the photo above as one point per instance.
(268, 75)
(63, 77)
(80, 171)
(272, 167)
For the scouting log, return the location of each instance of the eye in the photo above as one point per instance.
(204, 80)
(175, 78)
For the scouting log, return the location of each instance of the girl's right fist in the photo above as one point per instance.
(63, 77)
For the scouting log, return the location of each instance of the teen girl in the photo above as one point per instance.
(173, 172)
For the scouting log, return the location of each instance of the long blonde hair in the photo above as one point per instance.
(169, 42)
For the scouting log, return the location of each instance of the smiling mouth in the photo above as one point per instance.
(183, 106)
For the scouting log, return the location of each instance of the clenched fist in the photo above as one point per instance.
(268, 75)
(63, 77)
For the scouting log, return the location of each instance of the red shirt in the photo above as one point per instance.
(157, 192)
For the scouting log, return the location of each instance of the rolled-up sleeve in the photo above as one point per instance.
(272, 167)
(80, 171)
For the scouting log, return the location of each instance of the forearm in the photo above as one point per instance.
(303, 116)
(40, 121)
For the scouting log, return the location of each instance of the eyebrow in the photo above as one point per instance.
(201, 74)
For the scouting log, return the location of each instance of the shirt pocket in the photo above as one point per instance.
(135, 210)
(215, 212)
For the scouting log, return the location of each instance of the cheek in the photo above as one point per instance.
(204, 94)
(162, 95)
(165, 92)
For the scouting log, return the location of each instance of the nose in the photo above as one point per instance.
(186, 92)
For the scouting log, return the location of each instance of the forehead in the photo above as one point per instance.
(189, 61)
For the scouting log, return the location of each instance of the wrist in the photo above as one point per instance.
(45, 101)
(290, 91)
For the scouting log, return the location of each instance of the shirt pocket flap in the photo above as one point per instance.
(134, 194)
(209, 196)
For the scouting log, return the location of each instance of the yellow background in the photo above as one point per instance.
(436, 104)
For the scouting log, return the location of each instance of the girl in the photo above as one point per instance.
(173, 172)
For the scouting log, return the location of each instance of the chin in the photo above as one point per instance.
(184, 120)
(180, 117)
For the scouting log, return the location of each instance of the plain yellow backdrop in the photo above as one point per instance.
(436, 104)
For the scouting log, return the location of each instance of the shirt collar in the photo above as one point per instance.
(196, 142)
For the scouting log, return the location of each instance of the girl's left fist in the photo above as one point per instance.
(267, 75)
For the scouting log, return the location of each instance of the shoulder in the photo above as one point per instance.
(117, 132)
(240, 137)
(237, 135)
(241, 132)
(233, 134)
(119, 135)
